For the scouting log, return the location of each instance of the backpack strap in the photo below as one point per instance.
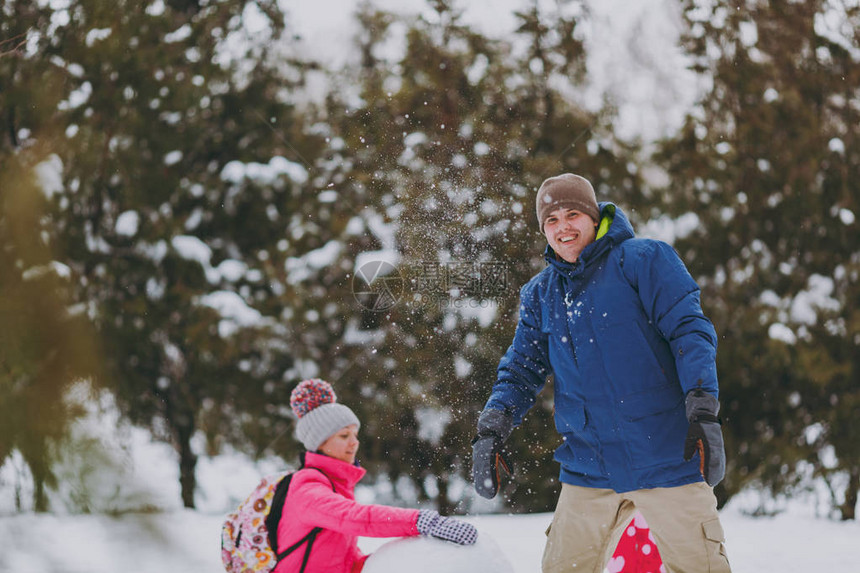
(310, 537)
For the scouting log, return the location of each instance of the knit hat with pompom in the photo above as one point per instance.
(566, 191)
(320, 416)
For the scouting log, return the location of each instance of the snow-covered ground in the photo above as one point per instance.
(131, 471)
(114, 468)
(183, 541)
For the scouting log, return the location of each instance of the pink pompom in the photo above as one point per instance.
(311, 394)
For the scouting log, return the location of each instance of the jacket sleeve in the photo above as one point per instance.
(670, 298)
(524, 368)
(316, 505)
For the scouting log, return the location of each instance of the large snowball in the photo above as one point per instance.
(429, 555)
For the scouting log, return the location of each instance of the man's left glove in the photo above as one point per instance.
(447, 528)
(494, 427)
(705, 435)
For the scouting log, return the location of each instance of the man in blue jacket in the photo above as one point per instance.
(616, 321)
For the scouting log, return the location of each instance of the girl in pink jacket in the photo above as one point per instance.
(321, 494)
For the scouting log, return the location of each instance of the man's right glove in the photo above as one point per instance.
(494, 427)
(447, 528)
(705, 435)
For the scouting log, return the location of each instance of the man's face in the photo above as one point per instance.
(568, 231)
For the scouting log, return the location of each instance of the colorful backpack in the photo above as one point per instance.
(249, 536)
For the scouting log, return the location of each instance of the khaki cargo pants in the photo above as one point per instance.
(588, 524)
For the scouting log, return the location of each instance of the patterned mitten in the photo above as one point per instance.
(447, 528)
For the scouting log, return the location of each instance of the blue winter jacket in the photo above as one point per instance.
(623, 334)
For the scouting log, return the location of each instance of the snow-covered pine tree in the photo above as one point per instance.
(159, 115)
(447, 144)
(763, 162)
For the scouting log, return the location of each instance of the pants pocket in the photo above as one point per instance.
(718, 560)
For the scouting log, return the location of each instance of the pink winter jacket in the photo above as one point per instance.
(312, 503)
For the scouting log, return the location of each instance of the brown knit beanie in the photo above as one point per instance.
(566, 191)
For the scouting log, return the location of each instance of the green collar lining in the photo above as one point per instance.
(605, 220)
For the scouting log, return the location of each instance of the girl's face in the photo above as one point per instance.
(343, 445)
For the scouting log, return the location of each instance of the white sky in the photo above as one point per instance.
(632, 50)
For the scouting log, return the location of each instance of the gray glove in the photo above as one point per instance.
(447, 528)
(494, 427)
(705, 436)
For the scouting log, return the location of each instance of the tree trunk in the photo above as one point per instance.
(187, 464)
(39, 469)
(849, 508)
(444, 505)
(180, 415)
(40, 500)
